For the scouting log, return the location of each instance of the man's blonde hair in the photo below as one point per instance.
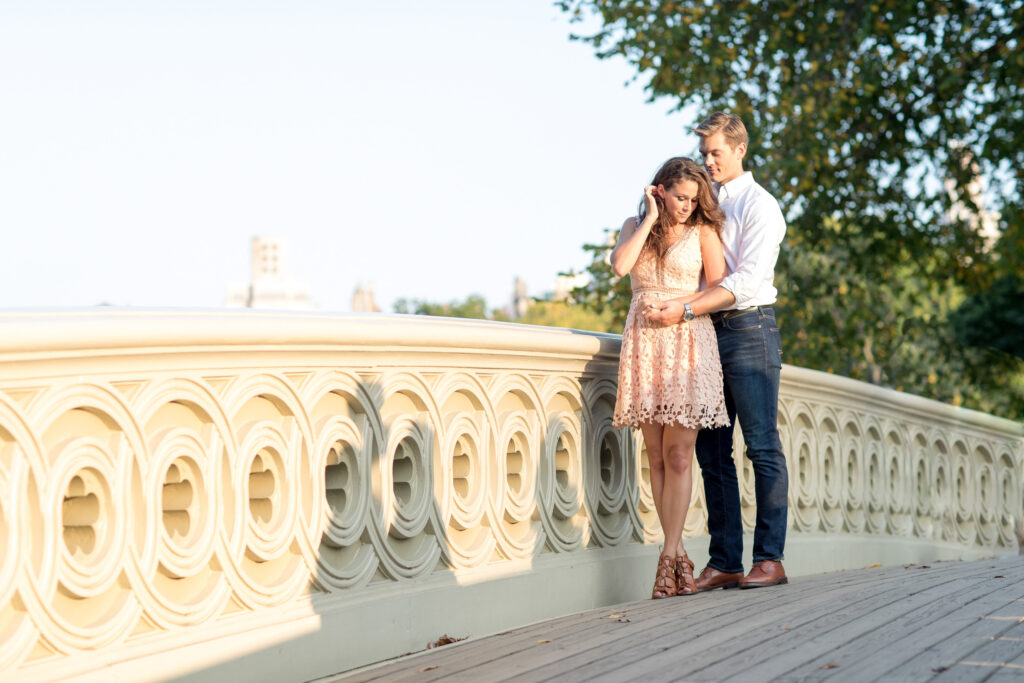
(729, 125)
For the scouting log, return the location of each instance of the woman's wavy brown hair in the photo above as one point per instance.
(705, 213)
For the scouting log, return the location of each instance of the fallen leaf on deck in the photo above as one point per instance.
(428, 668)
(1000, 576)
(616, 616)
(784, 628)
(830, 665)
(543, 640)
(445, 640)
(872, 566)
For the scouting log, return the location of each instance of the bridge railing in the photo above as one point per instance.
(203, 493)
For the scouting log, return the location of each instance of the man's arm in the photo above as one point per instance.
(670, 311)
(762, 230)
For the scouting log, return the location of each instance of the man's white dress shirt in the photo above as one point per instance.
(751, 237)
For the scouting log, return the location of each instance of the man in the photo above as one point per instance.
(750, 348)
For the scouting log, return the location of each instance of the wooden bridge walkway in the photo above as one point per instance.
(949, 621)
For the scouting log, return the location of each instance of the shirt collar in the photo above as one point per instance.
(735, 186)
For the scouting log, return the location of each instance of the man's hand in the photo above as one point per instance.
(665, 312)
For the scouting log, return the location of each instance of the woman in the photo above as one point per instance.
(670, 377)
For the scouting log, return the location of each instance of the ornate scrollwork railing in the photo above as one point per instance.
(172, 483)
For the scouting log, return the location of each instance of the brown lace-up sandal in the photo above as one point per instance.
(685, 585)
(665, 579)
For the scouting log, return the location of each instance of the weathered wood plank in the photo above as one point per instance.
(755, 625)
(664, 634)
(975, 630)
(883, 648)
(568, 632)
(995, 654)
(1013, 669)
(652, 613)
(558, 651)
(890, 623)
(597, 660)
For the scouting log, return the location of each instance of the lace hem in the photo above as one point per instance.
(691, 416)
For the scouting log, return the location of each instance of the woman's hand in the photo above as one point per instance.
(668, 312)
(650, 202)
(633, 235)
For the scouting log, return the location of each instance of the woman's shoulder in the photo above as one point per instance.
(629, 226)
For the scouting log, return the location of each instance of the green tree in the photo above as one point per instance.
(994, 318)
(902, 331)
(540, 312)
(473, 307)
(605, 293)
(856, 109)
(568, 314)
(875, 125)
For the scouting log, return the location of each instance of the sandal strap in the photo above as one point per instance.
(685, 584)
(665, 579)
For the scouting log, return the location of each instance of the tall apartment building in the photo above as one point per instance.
(272, 285)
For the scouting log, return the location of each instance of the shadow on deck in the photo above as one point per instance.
(960, 621)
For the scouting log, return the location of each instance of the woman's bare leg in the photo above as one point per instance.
(665, 581)
(656, 466)
(677, 484)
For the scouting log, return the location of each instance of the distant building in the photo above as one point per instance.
(363, 301)
(272, 285)
(984, 222)
(520, 301)
(566, 283)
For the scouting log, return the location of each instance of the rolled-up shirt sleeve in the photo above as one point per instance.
(762, 230)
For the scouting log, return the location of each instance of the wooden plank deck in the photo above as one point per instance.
(948, 621)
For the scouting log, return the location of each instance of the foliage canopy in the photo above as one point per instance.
(884, 113)
(892, 133)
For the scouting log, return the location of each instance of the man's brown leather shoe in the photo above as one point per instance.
(764, 573)
(711, 578)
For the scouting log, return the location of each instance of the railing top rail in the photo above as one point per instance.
(817, 383)
(44, 334)
(43, 331)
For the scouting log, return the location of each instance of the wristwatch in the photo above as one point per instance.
(687, 312)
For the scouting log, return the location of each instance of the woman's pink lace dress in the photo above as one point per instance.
(669, 374)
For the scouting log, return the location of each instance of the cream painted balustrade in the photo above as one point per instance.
(283, 496)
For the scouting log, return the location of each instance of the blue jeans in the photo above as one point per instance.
(751, 352)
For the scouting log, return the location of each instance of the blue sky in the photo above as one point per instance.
(430, 149)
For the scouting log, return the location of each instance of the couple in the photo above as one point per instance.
(694, 361)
